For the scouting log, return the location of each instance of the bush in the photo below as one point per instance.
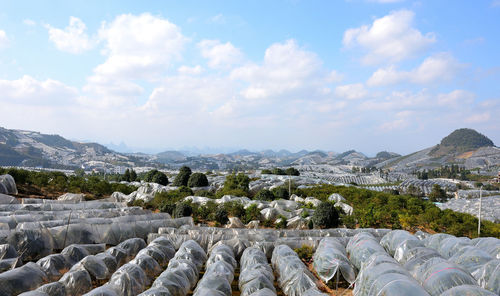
(235, 185)
(278, 171)
(205, 193)
(264, 194)
(197, 180)
(326, 216)
(280, 193)
(266, 171)
(252, 213)
(292, 172)
(305, 253)
(167, 207)
(160, 178)
(182, 177)
(183, 209)
(281, 224)
(234, 209)
(221, 215)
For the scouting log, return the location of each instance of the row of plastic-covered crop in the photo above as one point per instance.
(405, 264)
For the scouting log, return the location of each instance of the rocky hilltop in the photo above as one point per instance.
(465, 147)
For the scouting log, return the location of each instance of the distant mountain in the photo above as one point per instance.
(28, 148)
(386, 155)
(465, 147)
(170, 156)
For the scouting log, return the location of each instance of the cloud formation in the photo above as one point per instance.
(389, 39)
(73, 39)
(437, 68)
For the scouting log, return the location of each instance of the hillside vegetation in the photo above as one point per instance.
(460, 141)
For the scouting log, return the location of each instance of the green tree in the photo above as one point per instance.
(264, 194)
(182, 177)
(292, 172)
(280, 192)
(183, 209)
(221, 215)
(438, 194)
(326, 216)
(160, 178)
(126, 175)
(198, 180)
(133, 175)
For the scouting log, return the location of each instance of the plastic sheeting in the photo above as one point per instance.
(394, 238)
(331, 257)
(7, 185)
(293, 276)
(361, 247)
(382, 275)
(22, 279)
(219, 273)
(255, 273)
(488, 276)
(467, 290)
(490, 245)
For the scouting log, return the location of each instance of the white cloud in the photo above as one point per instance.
(351, 91)
(73, 39)
(478, 118)
(437, 68)
(29, 91)
(218, 19)
(389, 39)
(186, 70)
(139, 46)
(29, 22)
(4, 41)
(220, 55)
(456, 98)
(286, 69)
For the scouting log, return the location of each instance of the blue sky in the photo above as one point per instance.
(370, 75)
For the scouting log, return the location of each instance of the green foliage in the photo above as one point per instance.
(281, 224)
(235, 209)
(266, 172)
(160, 178)
(438, 194)
(170, 197)
(264, 194)
(292, 172)
(326, 216)
(126, 175)
(235, 185)
(280, 192)
(205, 193)
(197, 180)
(467, 138)
(155, 176)
(182, 177)
(183, 209)
(278, 171)
(383, 210)
(305, 253)
(221, 215)
(252, 213)
(167, 207)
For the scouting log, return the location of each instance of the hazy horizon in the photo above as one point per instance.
(368, 75)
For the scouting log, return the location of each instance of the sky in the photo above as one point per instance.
(370, 75)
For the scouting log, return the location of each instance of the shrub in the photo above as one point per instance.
(167, 207)
(280, 193)
(160, 178)
(326, 216)
(292, 172)
(221, 215)
(205, 193)
(182, 177)
(197, 180)
(266, 171)
(183, 209)
(264, 194)
(252, 213)
(278, 171)
(305, 253)
(281, 224)
(235, 209)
